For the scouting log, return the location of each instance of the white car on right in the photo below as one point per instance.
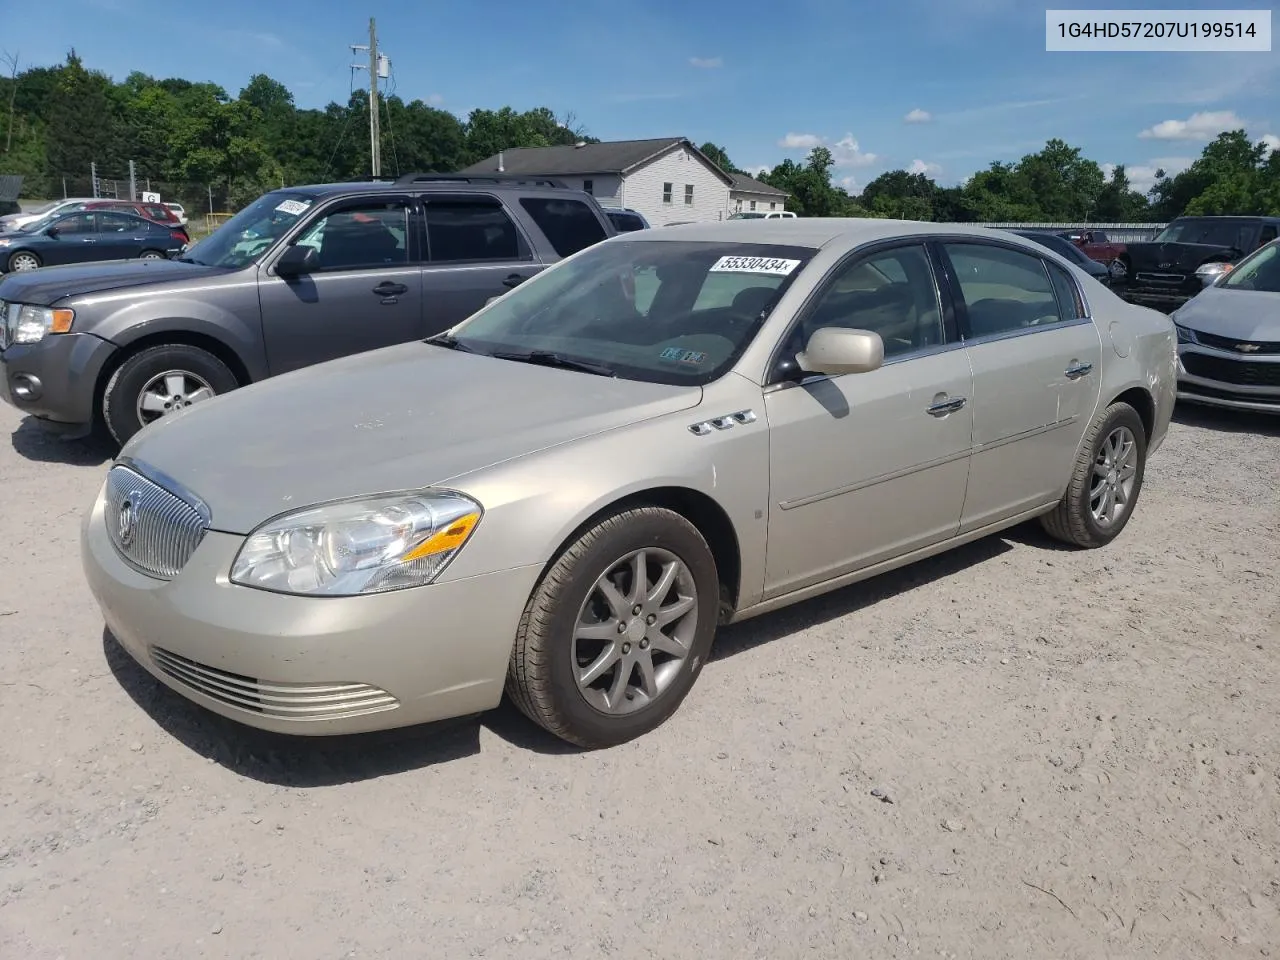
(763, 215)
(1229, 337)
(178, 212)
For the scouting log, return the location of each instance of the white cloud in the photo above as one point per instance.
(1142, 176)
(849, 184)
(435, 99)
(706, 63)
(846, 153)
(928, 169)
(1107, 169)
(758, 169)
(800, 141)
(1271, 142)
(918, 116)
(1199, 126)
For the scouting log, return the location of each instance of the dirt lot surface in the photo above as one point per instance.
(1078, 755)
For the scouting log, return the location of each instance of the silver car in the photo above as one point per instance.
(1229, 337)
(565, 495)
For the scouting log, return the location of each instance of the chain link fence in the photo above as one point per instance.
(206, 205)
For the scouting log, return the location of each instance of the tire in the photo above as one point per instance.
(151, 255)
(1073, 520)
(549, 656)
(203, 376)
(24, 260)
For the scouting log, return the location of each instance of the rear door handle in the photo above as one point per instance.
(388, 289)
(940, 408)
(1078, 370)
(514, 280)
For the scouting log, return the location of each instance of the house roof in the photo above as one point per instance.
(745, 184)
(617, 156)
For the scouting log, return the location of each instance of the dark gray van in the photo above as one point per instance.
(301, 275)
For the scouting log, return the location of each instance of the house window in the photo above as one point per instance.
(666, 193)
(737, 204)
(688, 193)
(753, 204)
(772, 205)
(588, 186)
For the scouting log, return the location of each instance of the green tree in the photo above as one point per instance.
(717, 155)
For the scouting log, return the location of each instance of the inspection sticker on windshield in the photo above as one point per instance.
(771, 265)
(683, 356)
(292, 207)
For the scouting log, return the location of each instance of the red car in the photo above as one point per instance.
(1096, 245)
(155, 212)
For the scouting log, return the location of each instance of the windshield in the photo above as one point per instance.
(747, 216)
(1260, 271)
(678, 312)
(1211, 232)
(248, 235)
(35, 226)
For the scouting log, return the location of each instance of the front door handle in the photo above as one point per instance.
(514, 280)
(940, 408)
(1078, 370)
(88, 239)
(388, 289)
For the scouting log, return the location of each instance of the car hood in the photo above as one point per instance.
(1245, 315)
(1181, 257)
(398, 418)
(48, 285)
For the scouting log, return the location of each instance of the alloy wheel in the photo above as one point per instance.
(635, 631)
(1115, 470)
(169, 391)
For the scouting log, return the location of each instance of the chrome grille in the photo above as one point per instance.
(285, 701)
(154, 530)
(4, 326)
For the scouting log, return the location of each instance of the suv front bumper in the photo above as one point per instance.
(56, 379)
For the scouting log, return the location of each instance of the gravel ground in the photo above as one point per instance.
(1009, 751)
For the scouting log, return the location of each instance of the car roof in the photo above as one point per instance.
(429, 182)
(805, 231)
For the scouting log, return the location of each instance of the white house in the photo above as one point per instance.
(668, 180)
(748, 194)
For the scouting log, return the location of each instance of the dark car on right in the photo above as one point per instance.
(1187, 255)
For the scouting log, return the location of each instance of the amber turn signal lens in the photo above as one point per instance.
(62, 320)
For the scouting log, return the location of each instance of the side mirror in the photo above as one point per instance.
(296, 261)
(835, 350)
(51, 232)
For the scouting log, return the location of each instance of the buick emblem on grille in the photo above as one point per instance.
(124, 521)
(1165, 266)
(1248, 347)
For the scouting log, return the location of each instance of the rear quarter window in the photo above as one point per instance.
(568, 225)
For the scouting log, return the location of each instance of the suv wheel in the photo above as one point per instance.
(158, 381)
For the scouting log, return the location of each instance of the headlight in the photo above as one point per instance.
(32, 324)
(359, 546)
(1185, 334)
(1209, 272)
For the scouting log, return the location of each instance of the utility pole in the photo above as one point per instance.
(133, 181)
(375, 69)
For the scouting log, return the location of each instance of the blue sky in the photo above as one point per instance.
(944, 86)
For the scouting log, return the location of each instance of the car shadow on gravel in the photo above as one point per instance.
(297, 761)
(34, 442)
(856, 598)
(1227, 421)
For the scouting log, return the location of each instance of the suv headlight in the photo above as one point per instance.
(1209, 272)
(370, 545)
(29, 324)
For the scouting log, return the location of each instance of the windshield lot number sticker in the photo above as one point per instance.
(292, 207)
(771, 265)
(683, 356)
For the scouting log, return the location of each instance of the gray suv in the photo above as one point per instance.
(300, 276)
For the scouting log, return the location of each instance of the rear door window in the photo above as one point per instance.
(568, 225)
(469, 230)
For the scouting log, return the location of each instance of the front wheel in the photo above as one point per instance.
(158, 381)
(23, 260)
(617, 630)
(1106, 480)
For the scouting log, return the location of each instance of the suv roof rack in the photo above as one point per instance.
(514, 178)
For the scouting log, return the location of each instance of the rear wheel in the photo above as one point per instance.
(151, 255)
(158, 381)
(23, 260)
(1106, 480)
(618, 629)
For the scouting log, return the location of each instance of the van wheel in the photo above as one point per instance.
(618, 629)
(158, 381)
